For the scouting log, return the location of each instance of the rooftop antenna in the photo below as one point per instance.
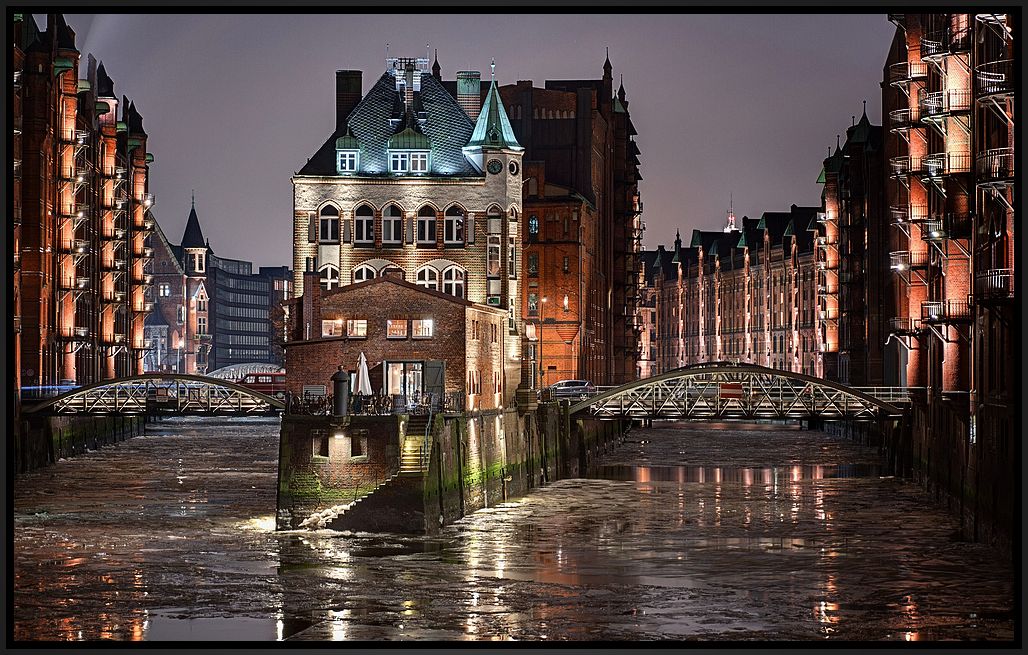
(492, 67)
(194, 198)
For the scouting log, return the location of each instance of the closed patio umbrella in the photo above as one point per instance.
(362, 380)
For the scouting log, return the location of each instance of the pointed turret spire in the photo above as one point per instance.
(492, 129)
(607, 68)
(104, 83)
(492, 69)
(436, 70)
(193, 236)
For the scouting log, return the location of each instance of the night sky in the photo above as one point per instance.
(742, 105)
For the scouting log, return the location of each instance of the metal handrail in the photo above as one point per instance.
(996, 164)
(995, 77)
(901, 325)
(995, 283)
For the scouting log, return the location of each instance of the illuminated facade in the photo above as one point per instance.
(82, 215)
(949, 87)
(584, 228)
(423, 176)
(744, 294)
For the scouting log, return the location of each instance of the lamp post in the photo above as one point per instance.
(542, 320)
(178, 360)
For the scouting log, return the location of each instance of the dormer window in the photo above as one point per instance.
(408, 161)
(399, 162)
(419, 162)
(346, 161)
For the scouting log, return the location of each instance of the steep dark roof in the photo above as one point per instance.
(104, 83)
(64, 34)
(651, 260)
(134, 120)
(193, 236)
(446, 126)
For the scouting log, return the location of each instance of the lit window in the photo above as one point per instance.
(492, 266)
(329, 278)
(164, 289)
(533, 304)
(332, 328)
(426, 225)
(329, 232)
(453, 281)
(428, 277)
(399, 162)
(396, 329)
(392, 225)
(453, 231)
(419, 162)
(363, 273)
(533, 224)
(567, 263)
(346, 161)
(421, 328)
(364, 225)
(357, 328)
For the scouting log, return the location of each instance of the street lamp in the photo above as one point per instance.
(542, 320)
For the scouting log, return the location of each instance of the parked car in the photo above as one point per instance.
(575, 389)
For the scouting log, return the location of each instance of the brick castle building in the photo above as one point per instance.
(424, 177)
(583, 228)
(82, 214)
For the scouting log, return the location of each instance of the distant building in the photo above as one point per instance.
(423, 179)
(211, 311)
(584, 228)
(82, 213)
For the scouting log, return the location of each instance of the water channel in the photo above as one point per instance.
(692, 531)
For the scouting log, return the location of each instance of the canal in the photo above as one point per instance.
(699, 531)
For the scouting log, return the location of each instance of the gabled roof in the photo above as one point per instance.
(493, 130)
(327, 296)
(176, 251)
(373, 122)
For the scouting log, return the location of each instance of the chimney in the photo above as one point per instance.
(348, 94)
(469, 92)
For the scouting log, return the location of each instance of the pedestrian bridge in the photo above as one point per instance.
(724, 390)
(160, 393)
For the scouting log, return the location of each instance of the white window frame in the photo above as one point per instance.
(347, 161)
(451, 283)
(368, 231)
(419, 162)
(331, 327)
(453, 228)
(392, 226)
(363, 273)
(428, 277)
(422, 328)
(326, 279)
(330, 235)
(357, 328)
(423, 221)
(399, 162)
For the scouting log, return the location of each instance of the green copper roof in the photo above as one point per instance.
(821, 176)
(347, 142)
(618, 107)
(408, 139)
(493, 130)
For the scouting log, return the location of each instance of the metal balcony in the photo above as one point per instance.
(17, 80)
(74, 283)
(17, 169)
(994, 285)
(117, 265)
(933, 44)
(940, 43)
(904, 260)
(148, 200)
(145, 253)
(822, 217)
(902, 73)
(142, 278)
(945, 311)
(75, 247)
(146, 306)
(113, 339)
(76, 333)
(120, 172)
(114, 297)
(904, 119)
(935, 105)
(81, 136)
(940, 164)
(995, 78)
(904, 326)
(996, 167)
(113, 234)
(903, 165)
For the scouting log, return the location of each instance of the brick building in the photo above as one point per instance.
(82, 215)
(211, 311)
(402, 340)
(423, 176)
(948, 90)
(583, 227)
(741, 294)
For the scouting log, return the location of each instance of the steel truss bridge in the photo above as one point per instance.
(724, 390)
(161, 393)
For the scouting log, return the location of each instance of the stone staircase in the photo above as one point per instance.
(411, 461)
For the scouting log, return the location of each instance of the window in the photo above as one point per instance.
(392, 226)
(201, 325)
(329, 278)
(453, 281)
(312, 229)
(399, 162)
(512, 251)
(492, 266)
(364, 225)
(201, 304)
(428, 277)
(332, 327)
(198, 262)
(533, 304)
(357, 328)
(533, 225)
(329, 224)
(567, 263)
(494, 333)
(181, 314)
(566, 306)
(426, 225)
(421, 328)
(533, 264)
(346, 161)
(396, 328)
(453, 230)
(363, 273)
(419, 162)
(164, 289)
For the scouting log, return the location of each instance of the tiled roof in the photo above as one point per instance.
(193, 236)
(493, 130)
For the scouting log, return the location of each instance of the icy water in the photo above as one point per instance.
(712, 532)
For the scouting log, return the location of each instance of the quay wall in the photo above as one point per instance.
(43, 440)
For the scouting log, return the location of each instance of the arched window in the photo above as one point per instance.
(453, 231)
(329, 278)
(329, 224)
(428, 277)
(392, 226)
(533, 225)
(364, 225)
(453, 281)
(426, 225)
(362, 273)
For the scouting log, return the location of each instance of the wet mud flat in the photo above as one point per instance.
(706, 532)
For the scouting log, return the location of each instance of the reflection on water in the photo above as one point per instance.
(689, 531)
